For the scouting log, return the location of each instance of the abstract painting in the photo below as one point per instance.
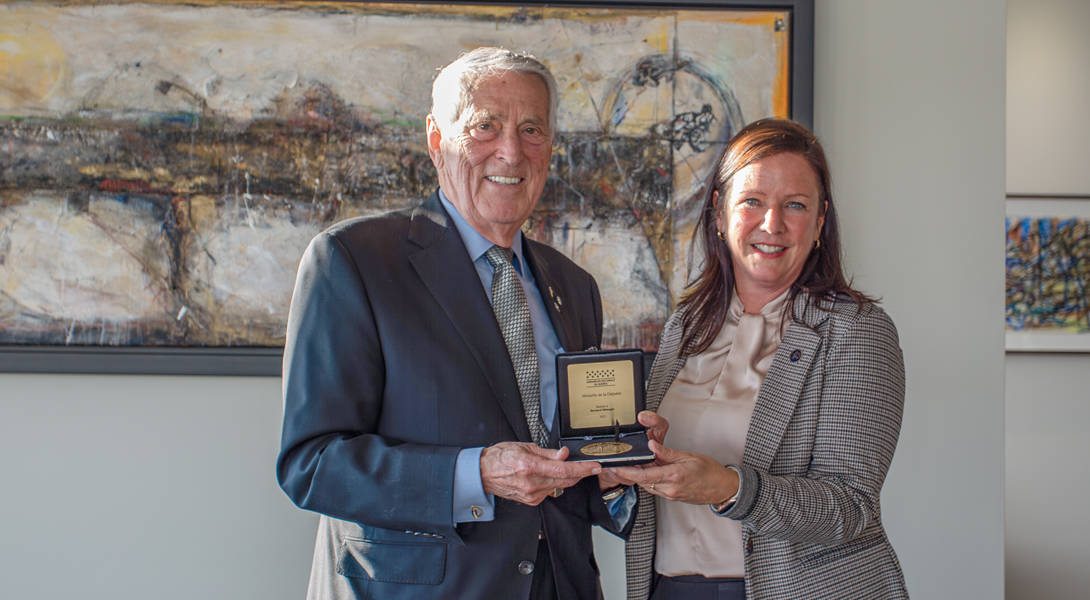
(163, 165)
(1048, 276)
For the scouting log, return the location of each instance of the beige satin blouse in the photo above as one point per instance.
(709, 406)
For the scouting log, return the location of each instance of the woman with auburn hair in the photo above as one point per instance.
(778, 392)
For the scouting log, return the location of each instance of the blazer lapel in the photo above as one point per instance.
(782, 386)
(444, 266)
(668, 361)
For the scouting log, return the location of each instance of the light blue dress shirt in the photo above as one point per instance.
(468, 489)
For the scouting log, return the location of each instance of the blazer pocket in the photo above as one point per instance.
(422, 563)
(827, 555)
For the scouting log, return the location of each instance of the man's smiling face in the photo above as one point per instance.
(494, 163)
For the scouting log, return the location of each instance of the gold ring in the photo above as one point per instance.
(651, 486)
(557, 492)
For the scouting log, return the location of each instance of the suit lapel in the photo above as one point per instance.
(557, 305)
(782, 386)
(444, 266)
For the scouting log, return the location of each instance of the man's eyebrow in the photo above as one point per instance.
(484, 115)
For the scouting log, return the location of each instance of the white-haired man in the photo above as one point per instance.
(417, 417)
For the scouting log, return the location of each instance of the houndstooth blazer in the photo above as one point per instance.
(820, 442)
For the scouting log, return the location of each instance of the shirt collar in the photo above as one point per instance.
(476, 244)
(771, 312)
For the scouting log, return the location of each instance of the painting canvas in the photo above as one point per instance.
(1048, 276)
(163, 166)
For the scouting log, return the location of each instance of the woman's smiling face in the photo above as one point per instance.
(771, 217)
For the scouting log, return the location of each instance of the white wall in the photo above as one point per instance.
(1048, 477)
(909, 103)
(1048, 79)
(121, 486)
(1048, 413)
(146, 487)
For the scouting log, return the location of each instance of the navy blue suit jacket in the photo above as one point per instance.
(393, 363)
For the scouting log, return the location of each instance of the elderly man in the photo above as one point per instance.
(419, 374)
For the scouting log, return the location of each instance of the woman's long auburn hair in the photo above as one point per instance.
(707, 297)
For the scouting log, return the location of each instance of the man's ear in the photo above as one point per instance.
(434, 138)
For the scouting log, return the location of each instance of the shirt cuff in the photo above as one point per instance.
(470, 501)
(725, 507)
(620, 508)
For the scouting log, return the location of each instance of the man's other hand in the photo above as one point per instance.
(527, 473)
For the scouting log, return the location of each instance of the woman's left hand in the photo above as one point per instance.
(682, 476)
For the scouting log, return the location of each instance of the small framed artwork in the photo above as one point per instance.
(1048, 274)
(165, 164)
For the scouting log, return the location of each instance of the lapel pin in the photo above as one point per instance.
(551, 294)
(796, 355)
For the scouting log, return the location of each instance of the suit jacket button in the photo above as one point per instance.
(526, 567)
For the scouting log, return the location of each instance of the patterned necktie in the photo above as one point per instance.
(513, 316)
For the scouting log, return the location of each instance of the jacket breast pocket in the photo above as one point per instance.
(421, 563)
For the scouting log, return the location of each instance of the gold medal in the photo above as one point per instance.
(605, 448)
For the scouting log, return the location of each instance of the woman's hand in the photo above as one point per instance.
(656, 431)
(656, 425)
(682, 476)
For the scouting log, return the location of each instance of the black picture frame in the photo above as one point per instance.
(266, 361)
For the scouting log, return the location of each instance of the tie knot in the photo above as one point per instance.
(498, 256)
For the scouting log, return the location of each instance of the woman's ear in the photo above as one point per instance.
(719, 225)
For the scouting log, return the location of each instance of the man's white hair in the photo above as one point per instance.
(455, 83)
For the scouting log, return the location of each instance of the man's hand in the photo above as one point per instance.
(527, 473)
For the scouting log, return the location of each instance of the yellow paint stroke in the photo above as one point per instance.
(32, 65)
(781, 100)
(760, 19)
(765, 19)
(660, 40)
(202, 212)
(185, 184)
(116, 171)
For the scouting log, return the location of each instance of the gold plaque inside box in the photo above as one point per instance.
(599, 394)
